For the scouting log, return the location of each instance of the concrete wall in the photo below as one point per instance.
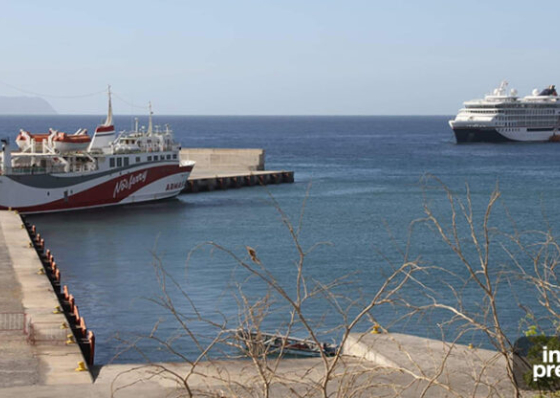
(225, 159)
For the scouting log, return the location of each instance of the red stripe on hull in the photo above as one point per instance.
(107, 193)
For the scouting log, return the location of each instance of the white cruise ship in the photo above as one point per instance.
(503, 116)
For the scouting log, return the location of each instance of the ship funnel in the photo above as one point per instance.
(105, 133)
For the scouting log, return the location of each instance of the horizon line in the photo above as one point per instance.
(236, 115)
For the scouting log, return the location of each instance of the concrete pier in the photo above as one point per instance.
(465, 370)
(218, 169)
(231, 159)
(201, 182)
(33, 339)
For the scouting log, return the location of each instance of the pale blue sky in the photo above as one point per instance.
(246, 57)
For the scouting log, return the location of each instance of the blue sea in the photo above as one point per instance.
(360, 191)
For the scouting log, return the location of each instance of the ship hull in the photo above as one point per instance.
(463, 135)
(45, 193)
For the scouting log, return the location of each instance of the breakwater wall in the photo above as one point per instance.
(219, 169)
(226, 158)
(237, 180)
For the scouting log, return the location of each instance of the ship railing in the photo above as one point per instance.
(157, 148)
(27, 170)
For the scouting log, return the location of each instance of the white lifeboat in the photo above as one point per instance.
(79, 141)
(25, 138)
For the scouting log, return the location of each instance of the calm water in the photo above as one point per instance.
(364, 174)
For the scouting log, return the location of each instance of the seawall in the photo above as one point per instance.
(219, 169)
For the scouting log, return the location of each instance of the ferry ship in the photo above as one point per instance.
(503, 116)
(56, 171)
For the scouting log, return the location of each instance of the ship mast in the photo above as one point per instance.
(105, 133)
(109, 120)
(150, 118)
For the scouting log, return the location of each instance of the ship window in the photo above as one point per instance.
(137, 159)
(156, 157)
(126, 161)
(119, 162)
(112, 162)
(174, 156)
(149, 158)
(168, 157)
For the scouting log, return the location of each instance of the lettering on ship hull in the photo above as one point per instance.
(177, 185)
(128, 182)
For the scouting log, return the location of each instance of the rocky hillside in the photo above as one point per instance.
(25, 106)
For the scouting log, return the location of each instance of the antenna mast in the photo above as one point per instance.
(150, 118)
(109, 120)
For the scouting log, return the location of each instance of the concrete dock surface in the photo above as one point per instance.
(32, 340)
(18, 365)
(293, 378)
(466, 370)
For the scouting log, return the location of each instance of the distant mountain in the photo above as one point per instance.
(25, 106)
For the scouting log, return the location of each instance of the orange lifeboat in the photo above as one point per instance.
(24, 138)
(78, 141)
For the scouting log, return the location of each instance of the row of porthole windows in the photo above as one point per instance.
(517, 114)
(533, 124)
(529, 118)
(124, 161)
(156, 158)
(523, 109)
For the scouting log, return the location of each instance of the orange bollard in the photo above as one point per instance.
(91, 341)
(72, 301)
(76, 314)
(82, 327)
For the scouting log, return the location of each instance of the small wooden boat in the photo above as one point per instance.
(276, 344)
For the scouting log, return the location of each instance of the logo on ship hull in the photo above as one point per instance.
(127, 183)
